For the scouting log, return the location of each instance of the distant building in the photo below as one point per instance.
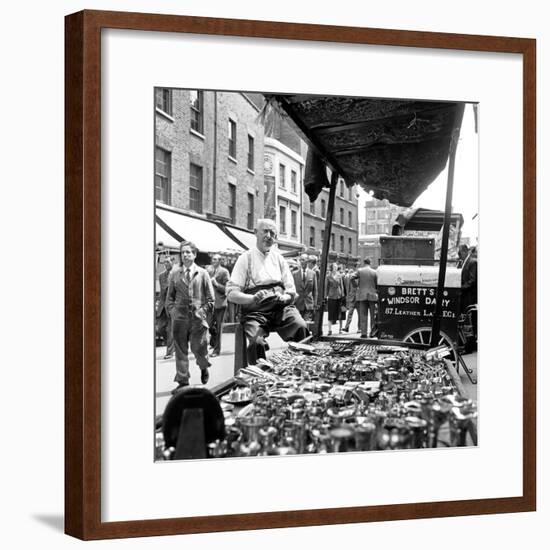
(283, 177)
(209, 154)
(283, 205)
(378, 219)
(343, 246)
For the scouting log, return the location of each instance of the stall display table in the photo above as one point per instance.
(342, 395)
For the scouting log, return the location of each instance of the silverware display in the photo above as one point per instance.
(339, 397)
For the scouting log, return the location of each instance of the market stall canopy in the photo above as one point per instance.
(174, 227)
(391, 147)
(423, 219)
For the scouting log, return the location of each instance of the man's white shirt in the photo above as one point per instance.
(264, 269)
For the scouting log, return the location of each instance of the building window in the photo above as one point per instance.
(371, 214)
(163, 164)
(293, 181)
(341, 243)
(323, 208)
(163, 100)
(332, 245)
(341, 188)
(232, 133)
(381, 228)
(282, 219)
(363, 228)
(350, 250)
(382, 214)
(322, 236)
(312, 207)
(250, 214)
(196, 103)
(341, 216)
(282, 182)
(350, 193)
(195, 188)
(312, 237)
(232, 205)
(294, 223)
(350, 219)
(250, 153)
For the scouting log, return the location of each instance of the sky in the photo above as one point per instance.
(466, 180)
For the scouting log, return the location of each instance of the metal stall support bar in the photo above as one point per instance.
(436, 325)
(318, 327)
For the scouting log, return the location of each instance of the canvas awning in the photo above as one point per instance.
(173, 227)
(394, 148)
(164, 238)
(246, 238)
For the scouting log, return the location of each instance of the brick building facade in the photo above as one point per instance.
(209, 150)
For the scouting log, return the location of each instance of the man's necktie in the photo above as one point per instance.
(304, 275)
(187, 276)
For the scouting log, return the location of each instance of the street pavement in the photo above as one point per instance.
(223, 365)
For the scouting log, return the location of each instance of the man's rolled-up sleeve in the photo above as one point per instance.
(288, 279)
(237, 280)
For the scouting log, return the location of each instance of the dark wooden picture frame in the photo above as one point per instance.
(83, 274)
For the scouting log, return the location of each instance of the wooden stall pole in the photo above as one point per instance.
(318, 327)
(436, 324)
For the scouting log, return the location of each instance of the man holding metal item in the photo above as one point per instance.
(262, 284)
(189, 301)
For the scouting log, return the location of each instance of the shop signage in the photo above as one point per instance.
(404, 308)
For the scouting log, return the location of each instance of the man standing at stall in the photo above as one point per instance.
(261, 283)
(305, 282)
(367, 296)
(189, 301)
(219, 277)
(468, 279)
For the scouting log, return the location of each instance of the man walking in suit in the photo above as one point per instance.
(219, 277)
(305, 282)
(367, 296)
(312, 262)
(189, 301)
(164, 323)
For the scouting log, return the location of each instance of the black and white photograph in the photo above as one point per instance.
(315, 274)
